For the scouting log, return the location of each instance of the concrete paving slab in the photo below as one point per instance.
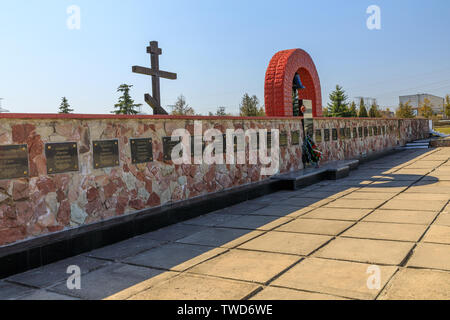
(355, 204)
(174, 232)
(246, 265)
(443, 220)
(106, 281)
(438, 234)
(366, 251)
(211, 220)
(316, 226)
(401, 216)
(174, 256)
(288, 243)
(423, 196)
(382, 189)
(254, 222)
(194, 287)
(431, 256)
(337, 214)
(243, 208)
(46, 295)
(304, 202)
(124, 249)
(220, 237)
(420, 205)
(10, 291)
(341, 278)
(277, 210)
(274, 293)
(386, 231)
(413, 284)
(51, 274)
(368, 196)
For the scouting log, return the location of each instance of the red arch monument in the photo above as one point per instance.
(278, 84)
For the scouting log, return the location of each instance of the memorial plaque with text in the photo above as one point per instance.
(326, 135)
(283, 139)
(13, 161)
(318, 136)
(334, 134)
(366, 131)
(348, 133)
(61, 157)
(141, 150)
(342, 133)
(106, 153)
(360, 132)
(355, 132)
(295, 138)
(168, 146)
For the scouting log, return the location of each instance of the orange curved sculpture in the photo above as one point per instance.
(278, 84)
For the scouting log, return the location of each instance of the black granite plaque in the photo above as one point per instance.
(375, 131)
(326, 135)
(269, 140)
(366, 131)
(360, 132)
(283, 139)
(295, 137)
(168, 146)
(141, 150)
(61, 157)
(199, 140)
(106, 153)
(334, 134)
(13, 161)
(348, 133)
(342, 133)
(318, 136)
(370, 131)
(355, 132)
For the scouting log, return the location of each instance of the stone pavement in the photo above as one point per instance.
(390, 218)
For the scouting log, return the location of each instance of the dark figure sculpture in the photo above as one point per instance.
(296, 85)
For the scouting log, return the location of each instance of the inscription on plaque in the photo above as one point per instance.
(106, 153)
(342, 133)
(13, 161)
(360, 132)
(355, 132)
(334, 134)
(348, 133)
(61, 157)
(366, 131)
(326, 134)
(295, 136)
(318, 136)
(141, 150)
(168, 146)
(283, 139)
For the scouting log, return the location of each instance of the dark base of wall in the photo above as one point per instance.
(32, 253)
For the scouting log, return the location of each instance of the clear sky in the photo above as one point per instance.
(220, 49)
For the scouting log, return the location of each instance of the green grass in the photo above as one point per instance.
(445, 130)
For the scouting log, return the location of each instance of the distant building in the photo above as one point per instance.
(1, 109)
(416, 100)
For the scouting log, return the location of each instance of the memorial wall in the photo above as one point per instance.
(63, 171)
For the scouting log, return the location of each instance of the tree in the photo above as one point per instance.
(125, 105)
(352, 111)
(64, 107)
(362, 109)
(181, 108)
(373, 111)
(250, 107)
(338, 106)
(447, 106)
(405, 111)
(425, 109)
(220, 112)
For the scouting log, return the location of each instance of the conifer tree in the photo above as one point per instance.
(362, 109)
(64, 107)
(125, 105)
(338, 106)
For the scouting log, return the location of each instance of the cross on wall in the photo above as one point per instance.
(154, 101)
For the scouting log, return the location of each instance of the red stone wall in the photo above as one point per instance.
(45, 203)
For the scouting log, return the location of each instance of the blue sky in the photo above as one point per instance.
(220, 49)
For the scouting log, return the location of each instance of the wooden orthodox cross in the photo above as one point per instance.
(155, 100)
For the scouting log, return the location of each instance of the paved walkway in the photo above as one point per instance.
(382, 233)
